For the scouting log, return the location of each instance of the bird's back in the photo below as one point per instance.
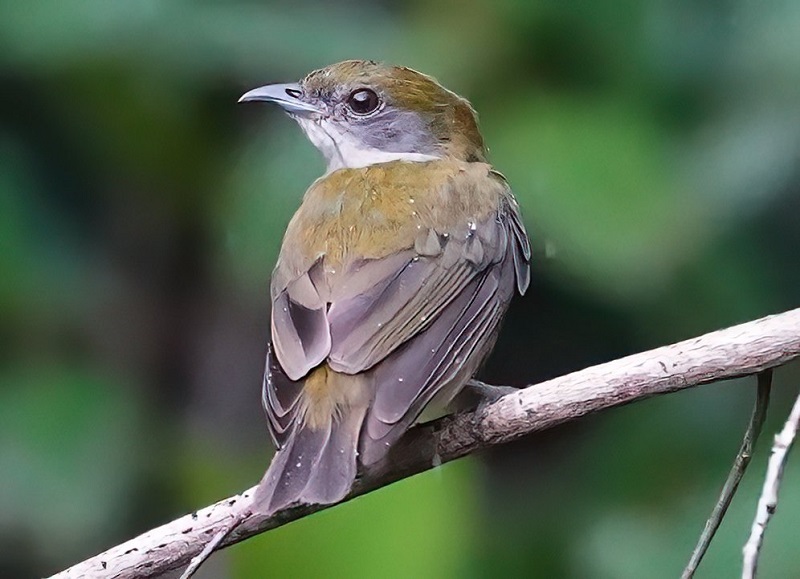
(373, 212)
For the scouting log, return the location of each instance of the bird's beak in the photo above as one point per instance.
(288, 96)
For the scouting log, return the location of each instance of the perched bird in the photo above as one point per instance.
(393, 277)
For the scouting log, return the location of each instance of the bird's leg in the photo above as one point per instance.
(476, 395)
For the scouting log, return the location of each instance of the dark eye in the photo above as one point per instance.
(363, 101)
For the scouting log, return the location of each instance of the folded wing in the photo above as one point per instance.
(416, 323)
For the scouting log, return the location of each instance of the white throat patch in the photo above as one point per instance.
(342, 151)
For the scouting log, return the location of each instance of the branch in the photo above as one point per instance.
(738, 351)
(738, 469)
(769, 495)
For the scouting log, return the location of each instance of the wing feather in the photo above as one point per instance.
(279, 397)
(367, 328)
(300, 331)
(437, 362)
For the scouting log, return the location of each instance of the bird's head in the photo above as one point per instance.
(360, 112)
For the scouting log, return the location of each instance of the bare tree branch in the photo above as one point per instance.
(736, 473)
(769, 494)
(738, 351)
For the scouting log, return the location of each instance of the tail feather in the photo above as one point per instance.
(334, 473)
(314, 466)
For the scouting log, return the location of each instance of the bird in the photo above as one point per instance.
(393, 276)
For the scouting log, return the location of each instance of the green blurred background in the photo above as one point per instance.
(653, 147)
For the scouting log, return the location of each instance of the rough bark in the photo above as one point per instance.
(738, 351)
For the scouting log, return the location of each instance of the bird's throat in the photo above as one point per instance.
(343, 151)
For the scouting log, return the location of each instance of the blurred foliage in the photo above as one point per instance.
(653, 147)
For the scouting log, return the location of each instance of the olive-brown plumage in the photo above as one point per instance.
(393, 276)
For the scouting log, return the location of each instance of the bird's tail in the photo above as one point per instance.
(317, 463)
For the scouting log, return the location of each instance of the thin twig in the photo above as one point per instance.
(738, 351)
(199, 559)
(768, 501)
(735, 475)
